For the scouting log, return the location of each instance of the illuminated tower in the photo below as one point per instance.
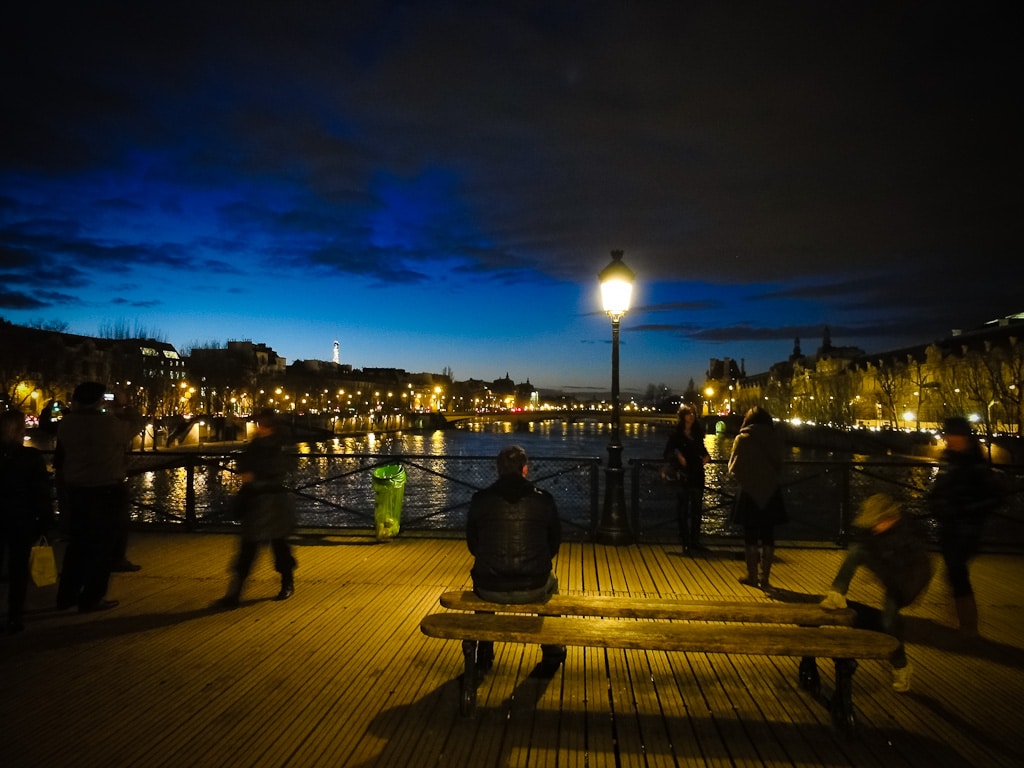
(335, 351)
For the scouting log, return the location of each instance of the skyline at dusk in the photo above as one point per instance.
(436, 185)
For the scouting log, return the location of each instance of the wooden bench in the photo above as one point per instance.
(755, 628)
(806, 614)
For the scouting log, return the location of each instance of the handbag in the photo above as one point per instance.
(42, 564)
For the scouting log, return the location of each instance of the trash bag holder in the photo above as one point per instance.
(389, 494)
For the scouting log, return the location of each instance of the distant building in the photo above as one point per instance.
(977, 373)
(39, 367)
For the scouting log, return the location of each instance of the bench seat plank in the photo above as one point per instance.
(806, 614)
(689, 638)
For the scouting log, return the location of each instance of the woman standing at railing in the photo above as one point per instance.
(686, 455)
(756, 461)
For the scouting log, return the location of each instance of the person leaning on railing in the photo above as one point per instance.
(687, 456)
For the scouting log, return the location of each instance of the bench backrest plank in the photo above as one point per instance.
(836, 642)
(805, 614)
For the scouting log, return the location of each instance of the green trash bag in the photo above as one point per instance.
(388, 492)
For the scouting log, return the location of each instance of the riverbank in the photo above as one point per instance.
(1002, 449)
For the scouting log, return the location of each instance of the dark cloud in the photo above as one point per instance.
(19, 300)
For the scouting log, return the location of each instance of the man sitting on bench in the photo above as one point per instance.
(513, 533)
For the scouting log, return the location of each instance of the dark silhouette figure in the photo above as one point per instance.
(91, 465)
(961, 499)
(687, 455)
(26, 510)
(266, 510)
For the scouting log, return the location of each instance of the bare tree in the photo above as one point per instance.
(891, 378)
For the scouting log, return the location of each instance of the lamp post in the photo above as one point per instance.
(616, 290)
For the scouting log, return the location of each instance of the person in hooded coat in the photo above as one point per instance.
(756, 462)
(892, 546)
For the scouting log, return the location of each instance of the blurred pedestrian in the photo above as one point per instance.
(513, 532)
(687, 455)
(266, 510)
(91, 465)
(964, 494)
(26, 509)
(892, 546)
(756, 461)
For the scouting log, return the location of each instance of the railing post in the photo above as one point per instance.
(190, 496)
(844, 504)
(595, 492)
(634, 496)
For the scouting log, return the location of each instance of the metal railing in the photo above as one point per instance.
(822, 498)
(335, 492)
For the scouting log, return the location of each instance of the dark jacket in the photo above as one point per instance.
(513, 532)
(693, 450)
(756, 462)
(266, 509)
(92, 446)
(898, 556)
(963, 495)
(26, 508)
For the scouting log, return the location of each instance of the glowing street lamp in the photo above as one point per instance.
(616, 292)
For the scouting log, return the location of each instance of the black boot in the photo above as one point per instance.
(684, 532)
(484, 656)
(287, 586)
(767, 555)
(751, 555)
(810, 680)
(841, 705)
(695, 533)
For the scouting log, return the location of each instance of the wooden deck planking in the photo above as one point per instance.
(340, 674)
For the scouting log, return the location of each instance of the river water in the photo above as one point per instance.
(542, 438)
(437, 493)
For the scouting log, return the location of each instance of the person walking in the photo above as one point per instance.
(687, 455)
(756, 461)
(963, 495)
(513, 532)
(26, 509)
(892, 546)
(90, 460)
(265, 508)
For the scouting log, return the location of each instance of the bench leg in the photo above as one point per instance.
(810, 680)
(467, 703)
(841, 706)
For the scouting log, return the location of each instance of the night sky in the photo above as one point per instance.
(436, 184)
